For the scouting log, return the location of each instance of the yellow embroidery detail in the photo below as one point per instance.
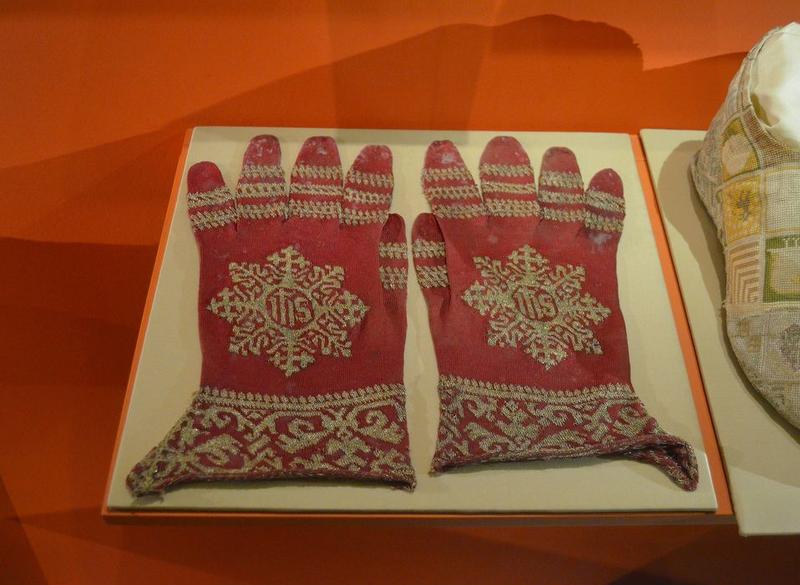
(203, 220)
(432, 276)
(218, 196)
(289, 309)
(538, 307)
(428, 249)
(500, 170)
(393, 277)
(742, 208)
(225, 434)
(394, 250)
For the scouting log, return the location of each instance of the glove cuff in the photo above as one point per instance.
(485, 422)
(356, 434)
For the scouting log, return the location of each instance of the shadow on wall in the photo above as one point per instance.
(74, 311)
(539, 73)
(15, 545)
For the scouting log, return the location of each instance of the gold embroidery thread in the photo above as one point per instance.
(332, 173)
(203, 220)
(393, 250)
(446, 174)
(493, 421)
(234, 435)
(432, 276)
(393, 278)
(428, 249)
(536, 306)
(454, 192)
(512, 207)
(262, 211)
(314, 209)
(512, 188)
(561, 179)
(501, 170)
(548, 196)
(605, 201)
(251, 171)
(315, 190)
(380, 180)
(260, 190)
(218, 196)
(289, 309)
(351, 216)
(366, 197)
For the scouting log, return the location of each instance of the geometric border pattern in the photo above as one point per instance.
(744, 273)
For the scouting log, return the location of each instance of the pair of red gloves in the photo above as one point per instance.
(302, 312)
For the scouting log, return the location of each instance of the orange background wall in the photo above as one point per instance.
(95, 100)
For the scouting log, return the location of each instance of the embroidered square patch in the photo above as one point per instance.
(741, 203)
(781, 201)
(782, 273)
(746, 334)
(738, 154)
(744, 272)
(783, 345)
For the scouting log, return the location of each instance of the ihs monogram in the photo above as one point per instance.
(289, 309)
(531, 304)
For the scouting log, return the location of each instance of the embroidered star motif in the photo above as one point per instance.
(289, 309)
(532, 305)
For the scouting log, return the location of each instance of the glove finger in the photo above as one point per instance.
(368, 187)
(430, 261)
(448, 185)
(507, 182)
(212, 209)
(605, 207)
(315, 191)
(561, 191)
(261, 192)
(393, 264)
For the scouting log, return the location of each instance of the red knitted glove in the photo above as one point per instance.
(302, 325)
(522, 301)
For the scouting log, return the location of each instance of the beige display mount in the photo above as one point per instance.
(760, 450)
(167, 370)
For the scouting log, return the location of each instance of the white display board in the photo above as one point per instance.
(168, 371)
(760, 450)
